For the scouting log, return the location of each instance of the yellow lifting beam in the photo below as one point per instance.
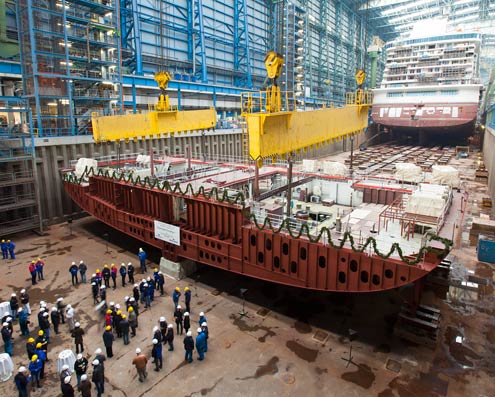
(277, 134)
(277, 128)
(152, 124)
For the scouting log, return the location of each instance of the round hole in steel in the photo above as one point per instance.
(253, 240)
(293, 267)
(341, 277)
(285, 249)
(268, 244)
(276, 262)
(389, 273)
(261, 257)
(353, 265)
(364, 276)
(322, 262)
(303, 253)
(375, 279)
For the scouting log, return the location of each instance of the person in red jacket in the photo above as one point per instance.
(32, 270)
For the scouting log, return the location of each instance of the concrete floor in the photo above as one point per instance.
(292, 343)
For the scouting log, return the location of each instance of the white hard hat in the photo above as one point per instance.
(117, 306)
(201, 314)
(155, 341)
(179, 307)
(155, 328)
(14, 294)
(77, 325)
(189, 333)
(122, 264)
(145, 284)
(64, 367)
(19, 310)
(203, 324)
(23, 291)
(138, 350)
(5, 324)
(45, 314)
(73, 263)
(126, 298)
(129, 264)
(148, 278)
(9, 319)
(170, 326)
(69, 307)
(199, 330)
(81, 261)
(143, 280)
(96, 362)
(60, 299)
(79, 356)
(112, 303)
(84, 377)
(102, 287)
(93, 283)
(67, 379)
(162, 319)
(22, 368)
(132, 299)
(54, 309)
(136, 285)
(93, 275)
(98, 351)
(186, 314)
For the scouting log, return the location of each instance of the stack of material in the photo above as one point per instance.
(310, 165)
(407, 172)
(82, 163)
(445, 175)
(428, 200)
(481, 226)
(143, 160)
(334, 168)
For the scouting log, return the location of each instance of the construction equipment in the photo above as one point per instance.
(162, 119)
(162, 78)
(277, 128)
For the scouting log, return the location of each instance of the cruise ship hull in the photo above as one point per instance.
(425, 116)
(221, 234)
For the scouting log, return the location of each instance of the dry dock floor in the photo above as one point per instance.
(291, 343)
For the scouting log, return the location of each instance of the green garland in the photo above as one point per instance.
(267, 224)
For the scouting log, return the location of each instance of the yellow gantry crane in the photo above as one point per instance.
(277, 128)
(162, 119)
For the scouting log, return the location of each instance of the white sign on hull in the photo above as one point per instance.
(167, 232)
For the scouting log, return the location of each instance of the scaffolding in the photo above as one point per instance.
(19, 195)
(70, 59)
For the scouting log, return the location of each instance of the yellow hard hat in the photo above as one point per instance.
(177, 288)
(3, 241)
(131, 309)
(108, 328)
(105, 265)
(97, 270)
(34, 357)
(123, 316)
(119, 312)
(38, 345)
(186, 289)
(31, 340)
(109, 311)
(33, 261)
(40, 332)
(39, 259)
(8, 241)
(113, 264)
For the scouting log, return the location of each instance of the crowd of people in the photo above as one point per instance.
(118, 322)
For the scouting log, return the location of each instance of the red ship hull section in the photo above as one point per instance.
(219, 235)
(424, 116)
